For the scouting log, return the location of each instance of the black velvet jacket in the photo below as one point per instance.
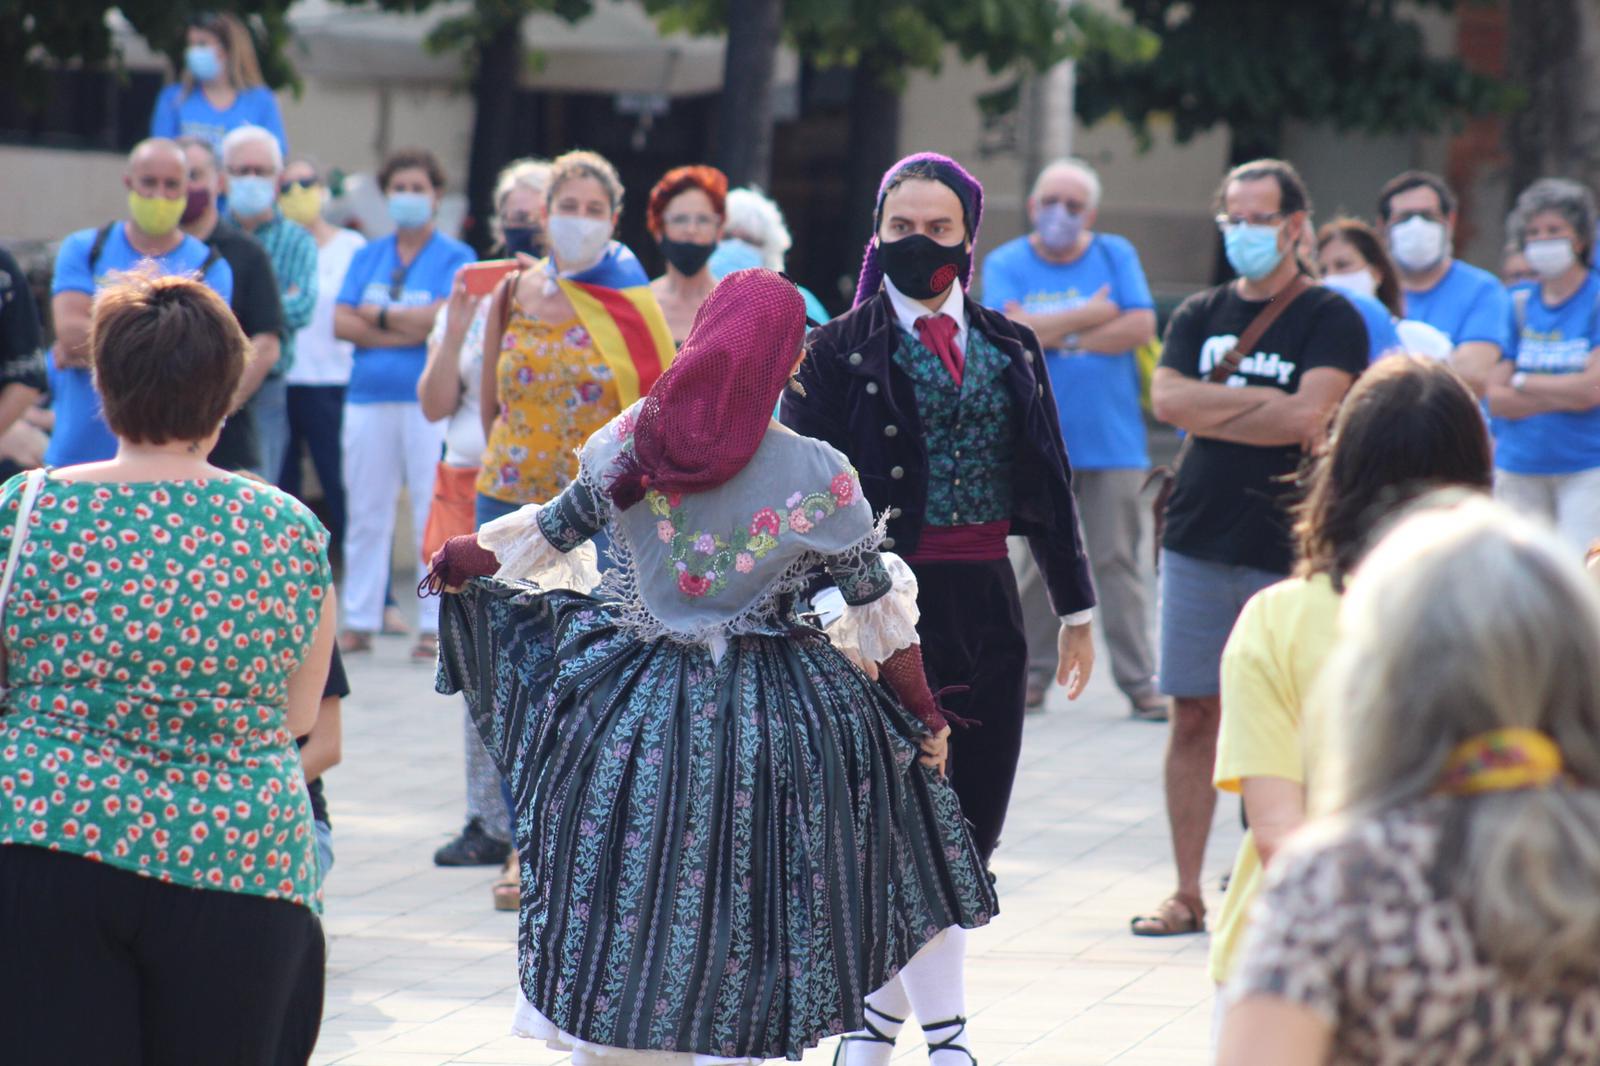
(857, 400)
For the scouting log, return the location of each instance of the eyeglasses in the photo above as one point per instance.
(250, 172)
(397, 280)
(1407, 216)
(1074, 207)
(1227, 222)
(696, 221)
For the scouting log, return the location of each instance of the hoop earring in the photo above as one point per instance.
(795, 386)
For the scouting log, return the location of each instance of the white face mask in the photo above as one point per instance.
(1550, 258)
(1418, 244)
(578, 242)
(1356, 282)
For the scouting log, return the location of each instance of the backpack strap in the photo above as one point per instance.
(99, 245)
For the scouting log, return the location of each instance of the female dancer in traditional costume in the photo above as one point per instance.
(727, 836)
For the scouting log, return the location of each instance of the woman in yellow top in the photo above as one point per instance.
(1407, 425)
(567, 345)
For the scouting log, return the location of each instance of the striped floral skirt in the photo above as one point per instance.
(720, 857)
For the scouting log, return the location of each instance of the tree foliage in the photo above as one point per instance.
(35, 37)
(1250, 64)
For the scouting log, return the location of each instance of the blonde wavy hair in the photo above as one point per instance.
(582, 163)
(239, 58)
(1464, 619)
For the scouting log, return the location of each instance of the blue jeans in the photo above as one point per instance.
(324, 849)
(316, 420)
(269, 407)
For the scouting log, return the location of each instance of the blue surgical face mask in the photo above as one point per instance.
(251, 195)
(1252, 250)
(202, 61)
(1058, 228)
(409, 210)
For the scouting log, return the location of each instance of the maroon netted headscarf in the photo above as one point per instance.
(705, 416)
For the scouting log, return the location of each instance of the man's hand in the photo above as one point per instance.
(23, 444)
(936, 750)
(1075, 658)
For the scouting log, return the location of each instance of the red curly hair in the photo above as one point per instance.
(709, 180)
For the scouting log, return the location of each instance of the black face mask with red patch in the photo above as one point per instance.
(920, 266)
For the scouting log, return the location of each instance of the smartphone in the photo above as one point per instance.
(481, 278)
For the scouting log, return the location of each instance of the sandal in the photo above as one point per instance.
(426, 649)
(874, 1035)
(507, 888)
(949, 1042)
(1178, 915)
(1148, 709)
(394, 622)
(352, 641)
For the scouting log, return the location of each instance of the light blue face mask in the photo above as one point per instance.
(202, 61)
(251, 195)
(409, 210)
(1252, 250)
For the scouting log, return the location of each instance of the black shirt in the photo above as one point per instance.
(338, 685)
(21, 344)
(258, 306)
(1228, 506)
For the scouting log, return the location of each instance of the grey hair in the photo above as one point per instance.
(756, 218)
(533, 174)
(1570, 199)
(242, 135)
(1076, 166)
(1464, 619)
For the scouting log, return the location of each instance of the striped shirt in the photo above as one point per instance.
(293, 252)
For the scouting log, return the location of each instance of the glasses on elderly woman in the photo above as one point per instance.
(688, 221)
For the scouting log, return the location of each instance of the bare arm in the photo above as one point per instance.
(1127, 331)
(413, 323)
(1275, 807)
(311, 677)
(1267, 1031)
(1195, 406)
(324, 744)
(1299, 417)
(439, 387)
(1054, 327)
(489, 384)
(70, 313)
(1567, 392)
(350, 325)
(264, 350)
(1475, 361)
(15, 400)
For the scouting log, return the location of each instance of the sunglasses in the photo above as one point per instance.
(298, 183)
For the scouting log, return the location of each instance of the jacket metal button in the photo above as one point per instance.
(887, 543)
(894, 512)
(891, 431)
(897, 472)
(1041, 390)
(872, 388)
(1025, 354)
(855, 358)
(957, 481)
(955, 516)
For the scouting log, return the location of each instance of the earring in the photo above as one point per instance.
(795, 386)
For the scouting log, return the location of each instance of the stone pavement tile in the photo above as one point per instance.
(421, 969)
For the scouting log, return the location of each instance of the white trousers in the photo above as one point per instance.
(1570, 502)
(386, 446)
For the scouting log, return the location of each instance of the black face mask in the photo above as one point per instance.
(685, 256)
(529, 240)
(920, 266)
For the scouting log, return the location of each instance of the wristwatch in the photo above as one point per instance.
(1070, 343)
(1518, 380)
(383, 318)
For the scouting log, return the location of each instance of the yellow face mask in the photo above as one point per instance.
(301, 204)
(155, 215)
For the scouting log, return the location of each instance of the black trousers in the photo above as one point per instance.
(101, 966)
(316, 422)
(972, 635)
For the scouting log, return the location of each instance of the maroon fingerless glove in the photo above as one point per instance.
(459, 561)
(903, 673)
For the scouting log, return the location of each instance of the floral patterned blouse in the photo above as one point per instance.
(555, 390)
(150, 636)
(970, 431)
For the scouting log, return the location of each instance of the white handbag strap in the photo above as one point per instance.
(19, 535)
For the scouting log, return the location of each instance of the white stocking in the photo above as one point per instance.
(935, 982)
(886, 1012)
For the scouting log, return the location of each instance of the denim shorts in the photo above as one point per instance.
(1200, 601)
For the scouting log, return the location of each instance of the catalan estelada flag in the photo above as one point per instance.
(628, 330)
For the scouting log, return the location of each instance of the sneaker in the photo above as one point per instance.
(473, 847)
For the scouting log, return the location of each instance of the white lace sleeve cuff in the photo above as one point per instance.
(526, 554)
(878, 629)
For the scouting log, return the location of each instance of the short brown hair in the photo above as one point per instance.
(581, 163)
(1364, 239)
(709, 180)
(411, 159)
(167, 356)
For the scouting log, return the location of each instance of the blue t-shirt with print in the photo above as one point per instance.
(81, 434)
(1097, 394)
(389, 375)
(1552, 340)
(190, 114)
(1382, 337)
(1468, 304)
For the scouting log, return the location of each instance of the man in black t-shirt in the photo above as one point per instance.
(1227, 532)
(320, 750)
(22, 369)
(256, 302)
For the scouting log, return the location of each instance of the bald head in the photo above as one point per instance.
(156, 167)
(1068, 180)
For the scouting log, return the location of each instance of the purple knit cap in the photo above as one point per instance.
(949, 173)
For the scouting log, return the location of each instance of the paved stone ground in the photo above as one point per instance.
(421, 969)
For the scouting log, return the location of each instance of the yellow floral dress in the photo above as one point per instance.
(555, 390)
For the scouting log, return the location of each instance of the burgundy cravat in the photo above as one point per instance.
(938, 335)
